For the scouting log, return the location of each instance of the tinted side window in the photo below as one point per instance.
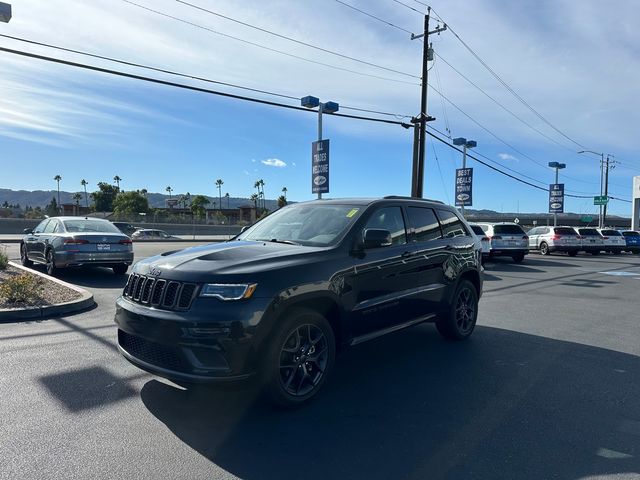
(451, 225)
(425, 224)
(389, 218)
(50, 226)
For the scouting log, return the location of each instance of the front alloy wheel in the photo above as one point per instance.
(299, 358)
(24, 259)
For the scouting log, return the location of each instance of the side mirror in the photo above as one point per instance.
(28, 231)
(376, 238)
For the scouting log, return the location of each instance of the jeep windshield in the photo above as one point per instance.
(305, 224)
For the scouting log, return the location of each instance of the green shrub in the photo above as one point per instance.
(4, 259)
(24, 288)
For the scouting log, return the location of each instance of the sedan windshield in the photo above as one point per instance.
(80, 226)
(312, 225)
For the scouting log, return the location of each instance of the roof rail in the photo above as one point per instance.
(401, 197)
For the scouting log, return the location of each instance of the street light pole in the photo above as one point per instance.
(465, 144)
(557, 166)
(601, 155)
(326, 107)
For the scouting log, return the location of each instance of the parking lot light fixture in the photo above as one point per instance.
(5, 12)
(327, 107)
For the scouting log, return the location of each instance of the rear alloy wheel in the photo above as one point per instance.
(51, 263)
(24, 260)
(459, 323)
(299, 359)
(573, 253)
(120, 269)
(544, 248)
(518, 258)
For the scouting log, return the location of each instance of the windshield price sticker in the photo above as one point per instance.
(556, 198)
(464, 187)
(320, 167)
(352, 212)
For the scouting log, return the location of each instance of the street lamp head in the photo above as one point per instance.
(562, 165)
(553, 164)
(5, 12)
(330, 107)
(459, 141)
(310, 102)
(472, 143)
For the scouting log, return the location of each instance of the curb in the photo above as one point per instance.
(85, 302)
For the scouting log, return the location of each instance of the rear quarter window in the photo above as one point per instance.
(477, 230)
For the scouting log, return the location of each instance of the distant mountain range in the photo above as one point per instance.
(41, 198)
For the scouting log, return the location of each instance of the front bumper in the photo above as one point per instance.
(73, 259)
(193, 347)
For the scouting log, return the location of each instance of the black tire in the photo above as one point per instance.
(24, 260)
(50, 264)
(294, 371)
(573, 253)
(518, 258)
(460, 321)
(120, 269)
(544, 249)
(595, 252)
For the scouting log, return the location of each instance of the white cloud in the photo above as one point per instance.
(506, 156)
(294, 164)
(274, 162)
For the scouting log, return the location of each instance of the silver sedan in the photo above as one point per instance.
(62, 242)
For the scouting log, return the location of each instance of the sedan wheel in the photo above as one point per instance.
(51, 263)
(24, 260)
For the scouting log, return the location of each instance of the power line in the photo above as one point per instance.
(373, 16)
(506, 85)
(264, 47)
(188, 87)
(184, 75)
(299, 42)
(408, 6)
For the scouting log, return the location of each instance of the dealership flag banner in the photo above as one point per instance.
(464, 187)
(556, 198)
(320, 166)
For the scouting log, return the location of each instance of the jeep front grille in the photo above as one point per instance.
(159, 293)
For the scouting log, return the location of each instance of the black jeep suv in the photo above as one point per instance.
(281, 298)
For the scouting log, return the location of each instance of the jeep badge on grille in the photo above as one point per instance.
(156, 272)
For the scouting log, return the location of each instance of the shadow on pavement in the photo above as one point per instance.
(93, 277)
(410, 405)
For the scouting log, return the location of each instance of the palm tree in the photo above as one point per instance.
(227, 197)
(219, 184)
(254, 199)
(77, 197)
(169, 189)
(84, 183)
(57, 178)
(284, 192)
(264, 205)
(117, 179)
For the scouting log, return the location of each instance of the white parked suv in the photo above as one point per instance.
(507, 240)
(614, 241)
(485, 242)
(591, 241)
(554, 239)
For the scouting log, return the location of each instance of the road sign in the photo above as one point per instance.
(556, 198)
(320, 166)
(464, 187)
(586, 219)
(600, 200)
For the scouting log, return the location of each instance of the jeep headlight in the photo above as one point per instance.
(228, 291)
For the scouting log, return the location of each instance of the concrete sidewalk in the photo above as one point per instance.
(15, 238)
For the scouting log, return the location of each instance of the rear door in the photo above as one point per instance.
(533, 234)
(46, 237)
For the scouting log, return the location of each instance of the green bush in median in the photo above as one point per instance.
(24, 288)
(4, 259)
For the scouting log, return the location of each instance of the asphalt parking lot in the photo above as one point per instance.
(548, 386)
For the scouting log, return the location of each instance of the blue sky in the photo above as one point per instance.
(578, 67)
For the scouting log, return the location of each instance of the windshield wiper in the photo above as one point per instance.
(275, 240)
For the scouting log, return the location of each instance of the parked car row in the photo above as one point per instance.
(510, 240)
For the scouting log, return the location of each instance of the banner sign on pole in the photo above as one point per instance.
(320, 166)
(464, 187)
(556, 198)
